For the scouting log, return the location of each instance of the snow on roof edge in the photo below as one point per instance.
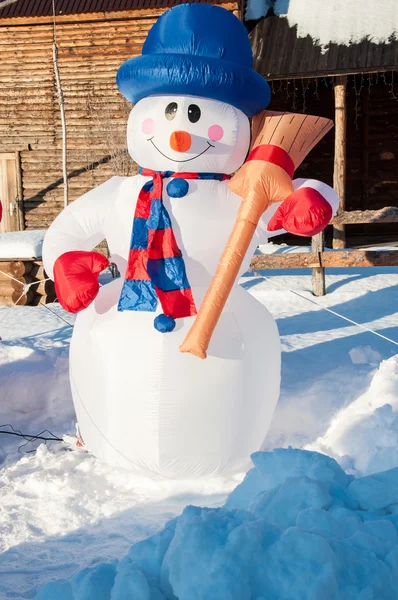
(334, 21)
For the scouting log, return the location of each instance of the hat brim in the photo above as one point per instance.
(213, 78)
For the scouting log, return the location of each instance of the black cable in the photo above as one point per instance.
(30, 438)
(33, 437)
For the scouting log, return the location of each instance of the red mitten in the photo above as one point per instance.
(76, 278)
(305, 212)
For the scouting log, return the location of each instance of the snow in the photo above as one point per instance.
(22, 244)
(338, 21)
(298, 517)
(367, 429)
(313, 535)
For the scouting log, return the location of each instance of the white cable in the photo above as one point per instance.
(56, 315)
(10, 276)
(26, 286)
(333, 312)
(7, 311)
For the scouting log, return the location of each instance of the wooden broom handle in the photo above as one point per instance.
(199, 336)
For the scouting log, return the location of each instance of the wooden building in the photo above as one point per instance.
(356, 85)
(94, 38)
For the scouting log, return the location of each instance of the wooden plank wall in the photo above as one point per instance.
(91, 48)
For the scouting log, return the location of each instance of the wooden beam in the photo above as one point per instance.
(19, 198)
(291, 260)
(334, 260)
(388, 214)
(15, 268)
(365, 146)
(339, 174)
(240, 12)
(318, 273)
(21, 299)
(16, 298)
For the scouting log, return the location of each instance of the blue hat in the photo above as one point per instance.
(196, 50)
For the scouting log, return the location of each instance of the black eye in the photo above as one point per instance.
(194, 113)
(171, 110)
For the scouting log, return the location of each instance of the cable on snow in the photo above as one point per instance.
(333, 312)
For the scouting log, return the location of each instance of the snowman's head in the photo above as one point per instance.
(188, 134)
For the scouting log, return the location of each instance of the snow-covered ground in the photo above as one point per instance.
(62, 511)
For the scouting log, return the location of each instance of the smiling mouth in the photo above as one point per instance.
(180, 161)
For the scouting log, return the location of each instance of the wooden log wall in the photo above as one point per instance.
(91, 49)
(24, 272)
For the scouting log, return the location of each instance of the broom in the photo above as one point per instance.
(280, 143)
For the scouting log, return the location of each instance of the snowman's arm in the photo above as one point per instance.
(80, 226)
(262, 230)
(327, 192)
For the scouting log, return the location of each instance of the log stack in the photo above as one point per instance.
(24, 272)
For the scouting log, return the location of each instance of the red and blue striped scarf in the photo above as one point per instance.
(156, 268)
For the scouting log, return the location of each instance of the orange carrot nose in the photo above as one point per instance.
(180, 141)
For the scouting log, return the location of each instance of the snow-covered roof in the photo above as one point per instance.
(319, 38)
(338, 21)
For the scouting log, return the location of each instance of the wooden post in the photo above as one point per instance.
(339, 175)
(19, 198)
(240, 13)
(365, 147)
(318, 274)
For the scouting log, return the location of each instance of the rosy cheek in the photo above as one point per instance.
(148, 126)
(215, 133)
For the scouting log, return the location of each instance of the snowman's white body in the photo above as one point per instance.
(140, 403)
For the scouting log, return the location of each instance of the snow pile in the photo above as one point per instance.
(336, 21)
(297, 528)
(364, 435)
(22, 244)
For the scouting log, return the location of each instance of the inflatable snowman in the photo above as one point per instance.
(140, 403)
